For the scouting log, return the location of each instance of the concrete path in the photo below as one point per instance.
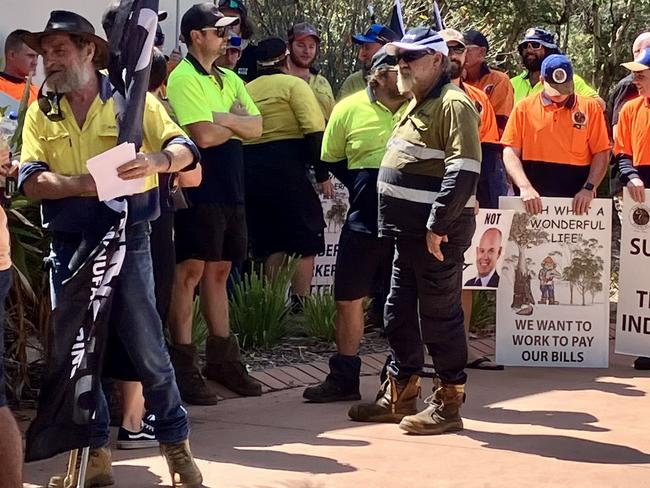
(523, 428)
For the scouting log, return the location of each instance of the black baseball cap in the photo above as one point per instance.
(204, 15)
(476, 38)
(270, 51)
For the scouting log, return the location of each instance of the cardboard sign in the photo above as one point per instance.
(484, 258)
(553, 299)
(633, 312)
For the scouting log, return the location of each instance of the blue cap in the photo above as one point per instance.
(377, 33)
(419, 39)
(535, 34)
(640, 63)
(557, 73)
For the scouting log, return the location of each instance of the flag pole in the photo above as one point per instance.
(178, 24)
(85, 454)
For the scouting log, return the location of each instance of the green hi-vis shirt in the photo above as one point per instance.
(429, 173)
(523, 88)
(358, 131)
(195, 94)
(324, 94)
(288, 106)
(352, 84)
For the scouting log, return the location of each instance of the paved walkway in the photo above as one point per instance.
(523, 428)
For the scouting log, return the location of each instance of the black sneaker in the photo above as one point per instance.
(143, 439)
(330, 391)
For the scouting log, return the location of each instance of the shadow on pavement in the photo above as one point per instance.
(561, 447)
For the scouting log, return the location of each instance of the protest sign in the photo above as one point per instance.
(334, 210)
(484, 258)
(553, 299)
(633, 312)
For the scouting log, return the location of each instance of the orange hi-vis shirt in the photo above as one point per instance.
(488, 131)
(498, 88)
(632, 143)
(15, 87)
(557, 142)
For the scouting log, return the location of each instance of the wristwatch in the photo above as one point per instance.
(588, 186)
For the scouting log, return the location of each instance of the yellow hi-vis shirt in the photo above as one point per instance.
(323, 92)
(64, 148)
(288, 105)
(523, 88)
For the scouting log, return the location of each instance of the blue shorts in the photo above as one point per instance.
(5, 285)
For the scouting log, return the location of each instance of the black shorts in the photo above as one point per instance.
(211, 232)
(283, 211)
(363, 262)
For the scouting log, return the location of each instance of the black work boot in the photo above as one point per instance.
(342, 384)
(224, 365)
(191, 383)
(443, 413)
(395, 400)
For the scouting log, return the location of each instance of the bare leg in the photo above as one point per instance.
(187, 277)
(11, 451)
(301, 282)
(349, 326)
(214, 302)
(273, 263)
(132, 405)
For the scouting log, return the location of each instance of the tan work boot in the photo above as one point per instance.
(395, 399)
(99, 471)
(442, 415)
(182, 468)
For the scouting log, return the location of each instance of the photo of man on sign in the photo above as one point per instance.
(488, 253)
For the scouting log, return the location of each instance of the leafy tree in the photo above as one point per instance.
(585, 271)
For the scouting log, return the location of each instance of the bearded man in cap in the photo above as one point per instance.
(369, 43)
(304, 44)
(72, 123)
(427, 185)
(534, 48)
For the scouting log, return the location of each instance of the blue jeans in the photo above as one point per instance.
(136, 323)
(5, 285)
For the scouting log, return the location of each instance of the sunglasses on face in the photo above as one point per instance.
(531, 45)
(457, 49)
(410, 56)
(219, 31)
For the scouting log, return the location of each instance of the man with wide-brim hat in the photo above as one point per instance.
(60, 135)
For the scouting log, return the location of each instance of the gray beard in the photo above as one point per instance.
(72, 81)
(404, 84)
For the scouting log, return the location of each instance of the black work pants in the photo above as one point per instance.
(424, 305)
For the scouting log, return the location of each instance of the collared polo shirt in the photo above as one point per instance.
(357, 133)
(288, 106)
(633, 140)
(14, 87)
(64, 148)
(557, 142)
(195, 95)
(499, 90)
(429, 173)
(354, 83)
(323, 91)
(523, 88)
(489, 132)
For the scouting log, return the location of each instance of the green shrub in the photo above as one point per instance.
(199, 325)
(320, 316)
(259, 308)
(484, 309)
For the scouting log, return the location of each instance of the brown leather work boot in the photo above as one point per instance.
(99, 471)
(224, 365)
(442, 415)
(191, 383)
(395, 399)
(182, 468)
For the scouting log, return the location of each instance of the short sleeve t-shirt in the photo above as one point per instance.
(195, 95)
(557, 142)
(288, 106)
(523, 88)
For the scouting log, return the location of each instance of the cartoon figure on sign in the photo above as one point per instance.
(547, 275)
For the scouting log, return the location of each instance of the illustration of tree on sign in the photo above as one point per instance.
(524, 238)
(336, 215)
(585, 271)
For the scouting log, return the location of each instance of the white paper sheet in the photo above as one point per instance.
(103, 169)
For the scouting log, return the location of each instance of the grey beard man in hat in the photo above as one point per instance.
(58, 139)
